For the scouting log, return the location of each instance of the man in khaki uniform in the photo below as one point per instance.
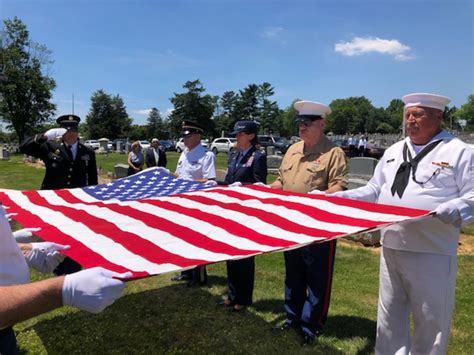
(313, 163)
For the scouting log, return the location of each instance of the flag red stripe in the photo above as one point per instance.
(268, 217)
(184, 233)
(78, 251)
(224, 223)
(367, 206)
(311, 211)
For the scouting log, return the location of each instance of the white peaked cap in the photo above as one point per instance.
(311, 108)
(426, 100)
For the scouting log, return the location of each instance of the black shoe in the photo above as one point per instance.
(307, 340)
(282, 327)
(194, 283)
(180, 278)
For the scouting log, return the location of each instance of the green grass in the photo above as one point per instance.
(157, 316)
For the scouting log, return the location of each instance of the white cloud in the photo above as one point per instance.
(363, 45)
(272, 32)
(143, 112)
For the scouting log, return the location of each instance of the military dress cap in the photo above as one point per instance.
(245, 126)
(426, 100)
(68, 121)
(189, 127)
(155, 140)
(310, 110)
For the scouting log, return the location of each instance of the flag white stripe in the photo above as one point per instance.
(327, 206)
(98, 243)
(286, 213)
(211, 231)
(164, 240)
(250, 222)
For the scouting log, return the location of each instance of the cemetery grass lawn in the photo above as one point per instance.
(160, 316)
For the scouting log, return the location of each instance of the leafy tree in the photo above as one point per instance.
(395, 114)
(449, 118)
(155, 126)
(466, 113)
(26, 89)
(247, 104)
(287, 120)
(193, 105)
(269, 110)
(136, 132)
(107, 116)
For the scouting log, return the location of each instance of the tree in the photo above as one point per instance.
(466, 113)
(395, 114)
(193, 105)
(269, 115)
(287, 119)
(155, 127)
(107, 116)
(247, 104)
(26, 89)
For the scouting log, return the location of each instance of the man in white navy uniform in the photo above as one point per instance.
(91, 290)
(198, 164)
(431, 170)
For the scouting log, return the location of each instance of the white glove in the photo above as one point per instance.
(210, 183)
(9, 216)
(261, 184)
(94, 289)
(448, 213)
(337, 194)
(54, 133)
(235, 184)
(44, 257)
(317, 192)
(163, 170)
(24, 235)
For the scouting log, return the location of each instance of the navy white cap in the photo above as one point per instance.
(426, 100)
(311, 110)
(245, 126)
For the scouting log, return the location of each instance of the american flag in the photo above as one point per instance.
(151, 223)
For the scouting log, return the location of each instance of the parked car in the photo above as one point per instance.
(374, 151)
(222, 145)
(180, 144)
(343, 144)
(281, 144)
(92, 143)
(145, 144)
(167, 145)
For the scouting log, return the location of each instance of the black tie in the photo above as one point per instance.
(403, 173)
(69, 152)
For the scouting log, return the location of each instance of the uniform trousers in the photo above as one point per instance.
(196, 275)
(422, 284)
(240, 279)
(308, 282)
(8, 342)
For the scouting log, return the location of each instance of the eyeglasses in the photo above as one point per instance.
(306, 123)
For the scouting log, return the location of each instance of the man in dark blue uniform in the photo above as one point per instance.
(246, 165)
(68, 162)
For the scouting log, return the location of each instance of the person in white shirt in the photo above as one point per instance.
(91, 290)
(198, 164)
(431, 170)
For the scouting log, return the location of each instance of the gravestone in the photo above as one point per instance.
(120, 171)
(273, 163)
(361, 166)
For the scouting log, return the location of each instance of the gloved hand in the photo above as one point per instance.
(94, 289)
(44, 257)
(9, 216)
(24, 235)
(317, 192)
(210, 183)
(235, 184)
(163, 170)
(448, 213)
(337, 194)
(54, 133)
(261, 184)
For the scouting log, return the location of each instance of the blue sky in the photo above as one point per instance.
(314, 50)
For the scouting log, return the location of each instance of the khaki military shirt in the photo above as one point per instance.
(320, 168)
